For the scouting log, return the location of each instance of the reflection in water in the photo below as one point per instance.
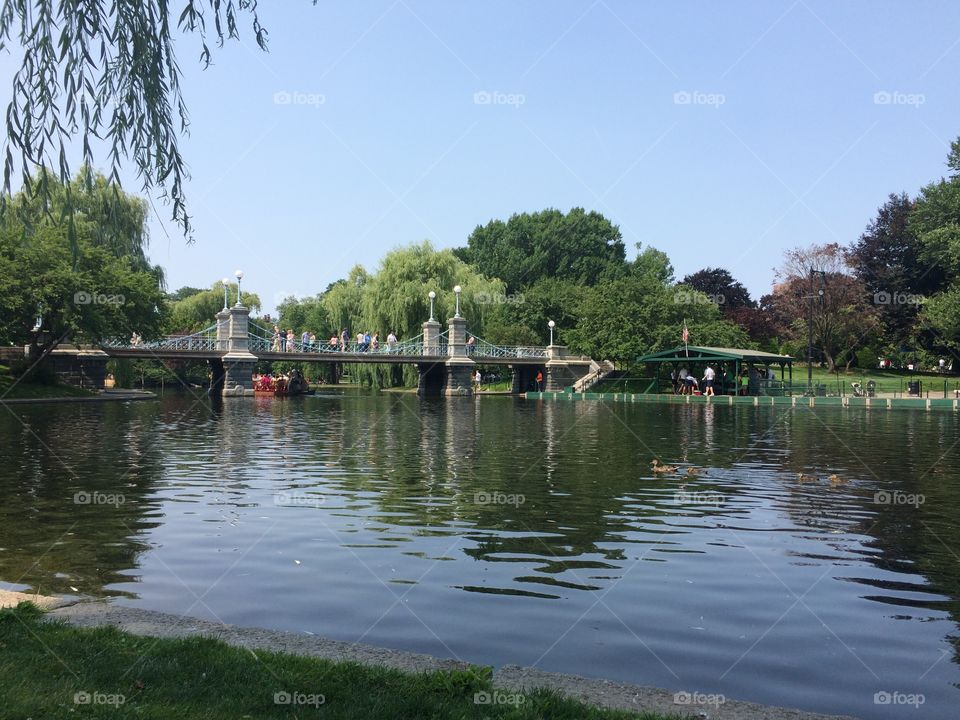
(504, 531)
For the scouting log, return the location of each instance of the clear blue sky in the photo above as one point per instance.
(783, 142)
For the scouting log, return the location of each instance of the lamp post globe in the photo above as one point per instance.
(226, 289)
(551, 324)
(239, 275)
(457, 289)
(432, 295)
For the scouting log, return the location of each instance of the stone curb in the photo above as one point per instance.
(619, 696)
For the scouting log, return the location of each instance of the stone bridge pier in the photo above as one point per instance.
(525, 378)
(453, 376)
(563, 370)
(236, 366)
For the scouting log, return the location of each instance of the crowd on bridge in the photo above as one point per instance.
(288, 341)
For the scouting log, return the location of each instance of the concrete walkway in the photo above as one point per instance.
(102, 396)
(511, 678)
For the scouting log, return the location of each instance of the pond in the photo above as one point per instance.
(498, 530)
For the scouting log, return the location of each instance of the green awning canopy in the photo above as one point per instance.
(700, 353)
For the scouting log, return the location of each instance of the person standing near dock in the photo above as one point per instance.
(539, 380)
(708, 376)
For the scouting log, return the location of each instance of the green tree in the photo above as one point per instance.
(638, 314)
(579, 246)
(199, 310)
(89, 289)
(395, 299)
(308, 314)
(935, 221)
(521, 318)
(888, 260)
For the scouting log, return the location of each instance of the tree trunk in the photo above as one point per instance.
(831, 363)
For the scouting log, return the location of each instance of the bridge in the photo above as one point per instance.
(446, 361)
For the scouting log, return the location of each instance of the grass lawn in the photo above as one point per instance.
(33, 390)
(50, 669)
(888, 381)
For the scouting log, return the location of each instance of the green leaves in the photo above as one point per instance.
(106, 70)
(82, 281)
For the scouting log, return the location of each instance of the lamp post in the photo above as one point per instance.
(551, 325)
(239, 275)
(456, 290)
(432, 295)
(226, 288)
(810, 298)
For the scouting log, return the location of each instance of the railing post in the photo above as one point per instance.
(431, 338)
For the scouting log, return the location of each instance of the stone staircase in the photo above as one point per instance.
(598, 371)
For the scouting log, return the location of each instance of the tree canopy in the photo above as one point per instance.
(93, 287)
(578, 246)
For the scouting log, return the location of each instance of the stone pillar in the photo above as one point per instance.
(238, 362)
(431, 338)
(460, 368)
(223, 330)
(457, 337)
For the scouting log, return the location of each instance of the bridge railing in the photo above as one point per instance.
(481, 348)
(414, 347)
(203, 340)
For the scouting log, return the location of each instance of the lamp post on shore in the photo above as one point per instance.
(432, 295)
(551, 325)
(226, 288)
(456, 290)
(239, 275)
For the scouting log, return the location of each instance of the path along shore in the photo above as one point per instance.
(512, 678)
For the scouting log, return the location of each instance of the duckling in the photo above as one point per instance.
(836, 479)
(658, 468)
(694, 471)
(802, 477)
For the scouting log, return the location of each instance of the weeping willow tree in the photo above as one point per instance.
(96, 71)
(395, 299)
